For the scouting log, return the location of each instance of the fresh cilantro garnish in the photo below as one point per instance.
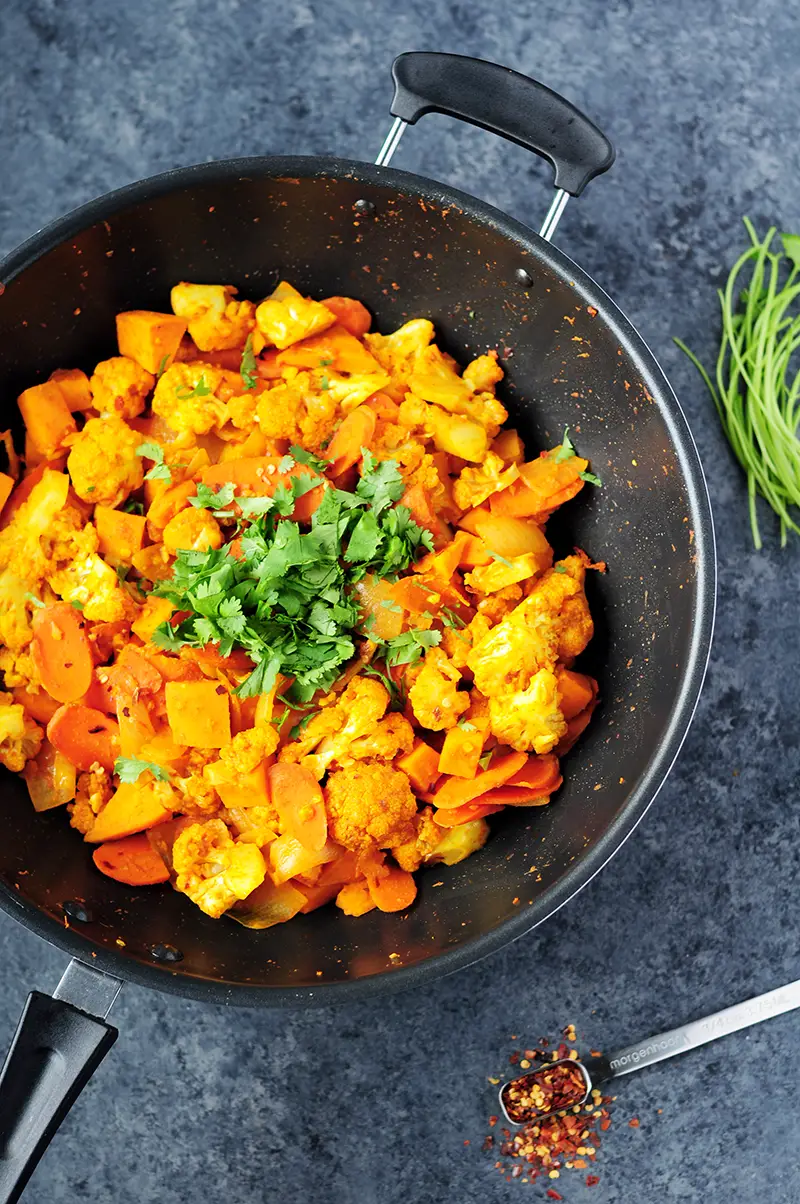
(130, 769)
(34, 600)
(559, 568)
(132, 507)
(160, 471)
(590, 478)
(450, 618)
(502, 559)
(295, 731)
(91, 488)
(567, 449)
(286, 598)
(77, 605)
(406, 649)
(485, 759)
(304, 457)
(397, 694)
(387, 604)
(214, 499)
(248, 368)
(201, 389)
(325, 361)
(324, 383)
(286, 464)
(162, 367)
(466, 726)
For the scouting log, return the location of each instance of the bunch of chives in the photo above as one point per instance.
(757, 382)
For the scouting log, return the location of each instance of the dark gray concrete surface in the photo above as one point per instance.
(699, 909)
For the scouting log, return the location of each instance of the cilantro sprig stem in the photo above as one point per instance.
(756, 383)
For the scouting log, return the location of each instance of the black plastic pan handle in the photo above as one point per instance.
(505, 103)
(56, 1049)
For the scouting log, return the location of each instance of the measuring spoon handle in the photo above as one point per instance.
(697, 1032)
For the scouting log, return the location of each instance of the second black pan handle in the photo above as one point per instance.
(506, 103)
(55, 1051)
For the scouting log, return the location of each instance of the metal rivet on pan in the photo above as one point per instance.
(165, 953)
(76, 911)
(524, 278)
(363, 206)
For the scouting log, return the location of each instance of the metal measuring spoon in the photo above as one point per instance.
(567, 1083)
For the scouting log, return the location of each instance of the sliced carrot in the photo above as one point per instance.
(461, 752)
(26, 486)
(441, 565)
(384, 406)
(100, 695)
(356, 431)
(465, 814)
(519, 796)
(417, 499)
(420, 765)
(392, 889)
(236, 662)
(545, 484)
(61, 652)
(267, 365)
(84, 736)
(350, 313)
(297, 797)
(575, 692)
(355, 899)
(131, 860)
(413, 595)
(575, 729)
(146, 675)
(455, 791)
(537, 771)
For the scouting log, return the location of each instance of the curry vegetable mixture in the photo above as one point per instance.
(279, 620)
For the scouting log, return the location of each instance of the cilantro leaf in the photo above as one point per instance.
(201, 389)
(502, 559)
(162, 367)
(248, 369)
(380, 483)
(34, 601)
(132, 507)
(567, 449)
(286, 464)
(160, 471)
(591, 479)
(213, 499)
(304, 457)
(130, 769)
(254, 506)
(407, 648)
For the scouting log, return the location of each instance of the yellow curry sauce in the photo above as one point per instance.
(279, 621)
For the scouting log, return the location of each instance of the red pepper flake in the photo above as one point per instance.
(466, 1142)
(633, 1123)
(553, 1194)
(592, 1180)
(555, 1087)
(492, 1121)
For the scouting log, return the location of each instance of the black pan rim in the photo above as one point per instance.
(70, 940)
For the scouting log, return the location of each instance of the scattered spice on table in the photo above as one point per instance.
(566, 1140)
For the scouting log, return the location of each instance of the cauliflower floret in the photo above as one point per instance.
(434, 698)
(457, 642)
(370, 806)
(20, 550)
(194, 530)
(192, 397)
(496, 606)
(94, 789)
(120, 386)
(287, 316)
(483, 373)
(397, 352)
(355, 715)
(294, 411)
(103, 463)
(391, 736)
(452, 433)
(435, 380)
(529, 719)
(552, 623)
(475, 485)
(460, 842)
(20, 737)
(248, 749)
(427, 835)
(215, 319)
(212, 869)
(94, 584)
(349, 391)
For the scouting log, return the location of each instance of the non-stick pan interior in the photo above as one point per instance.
(406, 248)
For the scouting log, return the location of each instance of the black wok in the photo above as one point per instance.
(406, 246)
